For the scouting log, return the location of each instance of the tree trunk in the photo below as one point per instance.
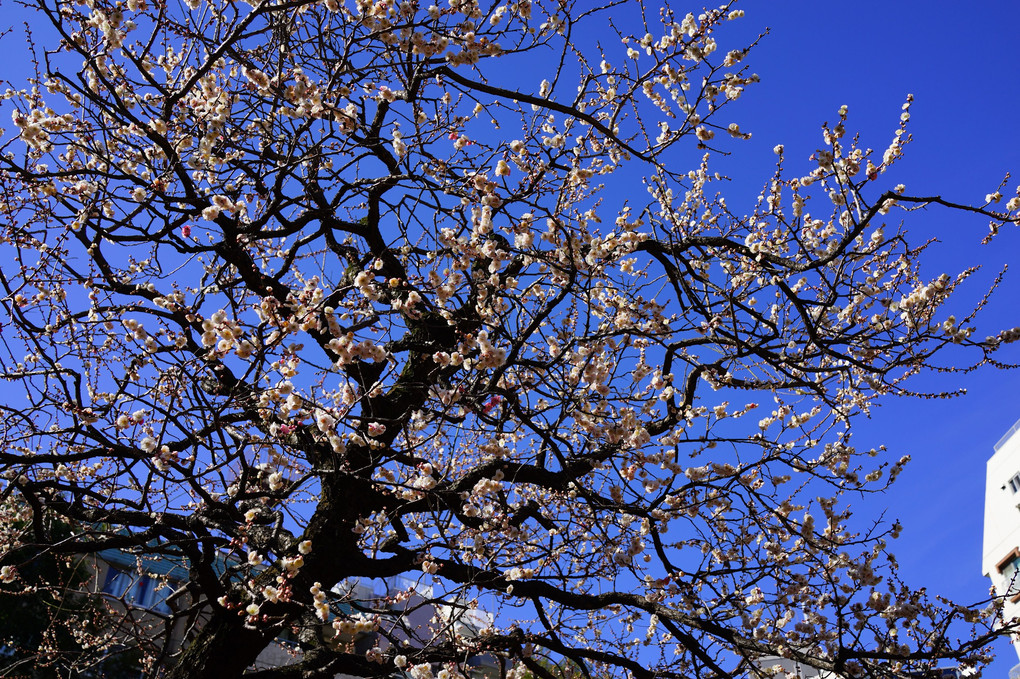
(223, 649)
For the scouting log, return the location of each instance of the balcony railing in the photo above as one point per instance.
(1005, 437)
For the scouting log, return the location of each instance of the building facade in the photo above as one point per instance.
(143, 594)
(1000, 561)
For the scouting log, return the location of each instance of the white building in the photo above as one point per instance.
(787, 668)
(1001, 559)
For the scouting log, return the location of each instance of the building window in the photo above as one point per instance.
(1009, 569)
(136, 590)
(1014, 483)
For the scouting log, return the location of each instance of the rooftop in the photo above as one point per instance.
(1005, 437)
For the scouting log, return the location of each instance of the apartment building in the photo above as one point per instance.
(1000, 561)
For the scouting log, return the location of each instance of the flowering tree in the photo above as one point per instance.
(298, 292)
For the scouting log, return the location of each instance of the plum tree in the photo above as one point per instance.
(298, 292)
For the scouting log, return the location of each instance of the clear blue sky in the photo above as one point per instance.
(961, 62)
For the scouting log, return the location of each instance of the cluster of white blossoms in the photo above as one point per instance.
(355, 624)
(222, 204)
(348, 351)
(955, 332)
(8, 574)
(319, 602)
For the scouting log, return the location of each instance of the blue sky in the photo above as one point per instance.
(961, 62)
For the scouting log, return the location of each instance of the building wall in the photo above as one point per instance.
(131, 619)
(278, 654)
(140, 608)
(1001, 556)
(790, 669)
